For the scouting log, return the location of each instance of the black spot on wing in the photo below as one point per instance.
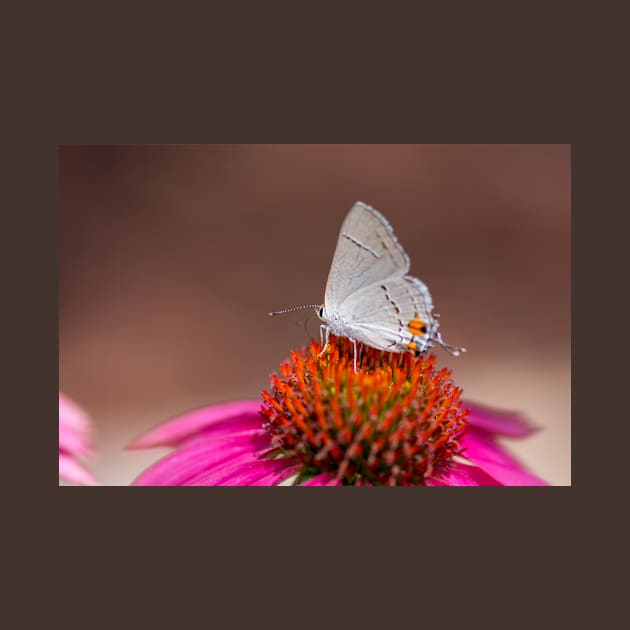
(396, 309)
(360, 244)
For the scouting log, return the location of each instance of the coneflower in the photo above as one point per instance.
(397, 420)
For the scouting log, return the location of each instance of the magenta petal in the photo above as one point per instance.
(274, 477)
(228, 418)
(197, 459)
(325, 479)
(225, 467)
(434, 481)
(71, 441)
(74, 426)
(71, 470)
(224, 436)
(508, 423)
(463, 475)
(263, 472)
(485, 453)
(71, 415)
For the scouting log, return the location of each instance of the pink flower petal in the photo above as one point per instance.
(463, 475)
(225, 434)
(325, 479)
(225, 419)
(72, 442)
(71, 415)
(489, 456)
(71, 470)
(74, 426)
(263, 472)
(507, 423)
(198, 459)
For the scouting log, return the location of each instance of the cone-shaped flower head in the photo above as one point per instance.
(397, 420)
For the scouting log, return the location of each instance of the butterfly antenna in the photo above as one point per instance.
(295, 308)
(453, 350)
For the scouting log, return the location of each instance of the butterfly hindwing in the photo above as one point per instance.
(393, 315)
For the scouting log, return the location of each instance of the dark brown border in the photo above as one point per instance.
(430, 550)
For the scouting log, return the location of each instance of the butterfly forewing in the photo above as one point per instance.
(367, 252)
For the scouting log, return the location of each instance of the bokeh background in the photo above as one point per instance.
(171, 257)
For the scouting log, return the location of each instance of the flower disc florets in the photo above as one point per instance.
(396, 421)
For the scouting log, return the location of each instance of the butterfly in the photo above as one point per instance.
(370, 297)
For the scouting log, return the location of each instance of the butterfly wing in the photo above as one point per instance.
(393, 315)
(367, 252)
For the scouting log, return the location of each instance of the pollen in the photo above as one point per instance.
(396, 421)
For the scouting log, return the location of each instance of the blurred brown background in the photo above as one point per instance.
(171, 257)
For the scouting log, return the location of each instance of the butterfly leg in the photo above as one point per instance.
(324, 343)
(354, 343)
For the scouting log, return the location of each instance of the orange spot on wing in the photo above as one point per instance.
(411, 345)
(417, 327)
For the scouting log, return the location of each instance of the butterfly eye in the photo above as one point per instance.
(320, 312)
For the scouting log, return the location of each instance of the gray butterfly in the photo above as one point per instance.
(369, 296)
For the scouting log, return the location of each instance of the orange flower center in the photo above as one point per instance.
(396, 421)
